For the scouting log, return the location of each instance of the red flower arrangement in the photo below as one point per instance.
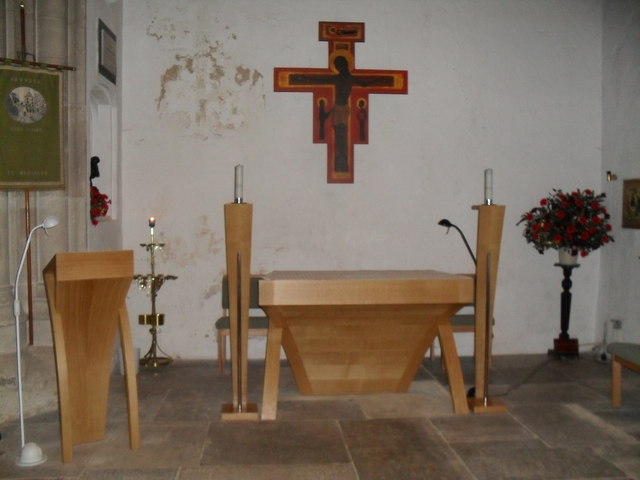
(577, 221)
(99, 204)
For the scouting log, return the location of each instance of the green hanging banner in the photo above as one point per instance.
(30, 129)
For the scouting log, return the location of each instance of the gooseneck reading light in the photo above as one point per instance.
(446, 223)
(30, 454)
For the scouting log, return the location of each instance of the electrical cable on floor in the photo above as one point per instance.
(515, 385)
(518, 384)
(600, 355)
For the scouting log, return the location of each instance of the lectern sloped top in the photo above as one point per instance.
(75, 266)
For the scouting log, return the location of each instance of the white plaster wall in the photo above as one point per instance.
(103, 101)
(503, 84)
(621, 130)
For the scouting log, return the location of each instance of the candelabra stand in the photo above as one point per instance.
(153, 282)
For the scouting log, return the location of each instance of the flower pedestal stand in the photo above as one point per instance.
(564, 346)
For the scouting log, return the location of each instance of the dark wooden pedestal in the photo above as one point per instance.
(564, 346)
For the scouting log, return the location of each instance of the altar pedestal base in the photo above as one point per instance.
(565, 348)
(492, 405)
(231, 412)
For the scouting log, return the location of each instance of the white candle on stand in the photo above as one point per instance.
(488, 186)
(152, 223)
(238, 184)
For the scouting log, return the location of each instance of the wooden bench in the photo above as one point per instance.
(622, 354)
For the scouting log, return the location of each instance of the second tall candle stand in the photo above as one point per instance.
(238, 219)
(489, 239)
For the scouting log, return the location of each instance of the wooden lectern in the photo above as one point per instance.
(238, 219)
(86, 293)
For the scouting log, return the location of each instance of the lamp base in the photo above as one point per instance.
(30, 456)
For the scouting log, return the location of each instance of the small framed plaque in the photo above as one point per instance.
(631, 203)
(107, 52)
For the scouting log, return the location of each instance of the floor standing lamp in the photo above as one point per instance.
(30, 454)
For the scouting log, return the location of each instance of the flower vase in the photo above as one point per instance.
(567, 257)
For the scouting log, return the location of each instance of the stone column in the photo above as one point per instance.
(55, 33)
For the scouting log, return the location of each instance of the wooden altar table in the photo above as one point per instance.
(360, 331)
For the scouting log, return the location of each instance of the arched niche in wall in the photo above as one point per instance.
(103, 143)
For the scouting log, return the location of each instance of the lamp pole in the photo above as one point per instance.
(31, 454)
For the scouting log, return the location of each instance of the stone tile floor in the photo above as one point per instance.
(559, 425)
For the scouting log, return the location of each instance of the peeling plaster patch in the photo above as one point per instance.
(165, 29)
(184, 253)
(202, 111)
(242, 75)
(217, 73)
(188, 63)
(169, 75)
(198, 93)
(256, 77)
(152, 32)
(212, 291)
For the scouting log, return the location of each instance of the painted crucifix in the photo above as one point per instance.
(340, 96)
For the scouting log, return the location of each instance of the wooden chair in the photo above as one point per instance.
(258, 324)
(622, 354)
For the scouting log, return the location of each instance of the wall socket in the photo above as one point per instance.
(616, 324)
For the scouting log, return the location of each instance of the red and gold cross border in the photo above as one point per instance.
(340, 96)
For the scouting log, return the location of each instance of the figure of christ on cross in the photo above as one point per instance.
(341, 104)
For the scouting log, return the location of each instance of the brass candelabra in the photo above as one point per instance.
(153, 282)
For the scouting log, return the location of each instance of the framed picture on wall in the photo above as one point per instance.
(107, 52)
(631, 203)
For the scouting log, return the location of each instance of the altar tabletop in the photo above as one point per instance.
(360, 331)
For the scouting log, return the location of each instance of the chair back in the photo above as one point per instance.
(253, 292)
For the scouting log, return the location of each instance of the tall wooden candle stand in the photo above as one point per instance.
(238, 220)
(489, 239)
(86, 293)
